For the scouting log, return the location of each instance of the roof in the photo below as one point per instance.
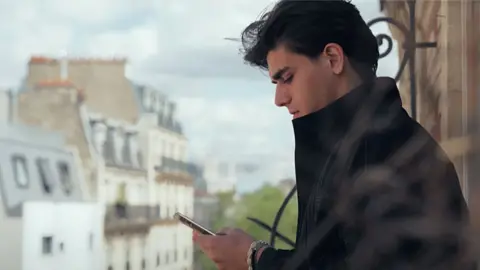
(78, 60)
(35, 166)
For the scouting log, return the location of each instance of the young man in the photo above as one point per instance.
(404, 206)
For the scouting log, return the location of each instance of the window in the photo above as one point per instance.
(109, 147)
(126, 150)
(45, 174)
(20, 170)
(65, 177)
(118, 143)
(99, 135)
(140, 159)
(47, 244)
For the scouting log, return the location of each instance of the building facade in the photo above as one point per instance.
(134, 155)
(172, 186)
(46, 221)
(447, 78)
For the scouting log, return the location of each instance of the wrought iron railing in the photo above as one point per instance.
(131, 213)
(410, 46)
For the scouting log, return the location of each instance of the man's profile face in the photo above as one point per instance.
(303, 85)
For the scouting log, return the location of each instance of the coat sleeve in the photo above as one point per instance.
(417, 220)
(276, 259)
(273, 259)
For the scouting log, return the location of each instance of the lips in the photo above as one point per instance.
(294, 114)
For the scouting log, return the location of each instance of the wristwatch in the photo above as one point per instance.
(254, 247)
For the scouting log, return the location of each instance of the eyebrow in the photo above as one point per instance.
(278, 75)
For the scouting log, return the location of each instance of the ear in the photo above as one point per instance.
(335, 56)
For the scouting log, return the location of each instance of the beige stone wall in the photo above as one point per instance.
(57, 109)
(446, 93)
(107, 90)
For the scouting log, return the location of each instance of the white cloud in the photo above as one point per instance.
(227, 107)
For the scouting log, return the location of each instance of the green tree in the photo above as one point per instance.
(225, 204)
(264, 204)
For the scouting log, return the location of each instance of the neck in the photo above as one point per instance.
(346, 84)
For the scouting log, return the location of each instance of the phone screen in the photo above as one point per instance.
(192, 224)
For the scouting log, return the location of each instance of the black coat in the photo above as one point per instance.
(340, 150)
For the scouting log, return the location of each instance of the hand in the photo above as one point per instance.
(228, 249)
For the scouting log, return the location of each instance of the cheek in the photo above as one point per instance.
(301, 93)
(311, 93)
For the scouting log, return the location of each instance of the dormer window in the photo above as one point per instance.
(99, 136)
(134, 149)
(119, 142)
(140, 159)
(127, 150)
(45, 174)
(108, 148)
(65, 177)
(20, 171)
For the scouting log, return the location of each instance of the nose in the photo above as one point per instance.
(282, 98)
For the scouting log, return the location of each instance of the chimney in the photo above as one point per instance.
(64, 66)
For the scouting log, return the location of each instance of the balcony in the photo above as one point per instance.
(129, 219)
(175, 171)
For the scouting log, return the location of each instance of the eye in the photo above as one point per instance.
(288, 80)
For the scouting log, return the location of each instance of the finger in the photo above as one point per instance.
(204, 241)
(225, 231)
(194, 235)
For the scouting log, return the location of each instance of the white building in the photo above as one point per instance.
(142, 187)
(45, 221)
(172, 189)
(132, 150)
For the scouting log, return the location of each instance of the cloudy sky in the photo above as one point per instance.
(177, 46)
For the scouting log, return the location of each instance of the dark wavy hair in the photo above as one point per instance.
(305, 27)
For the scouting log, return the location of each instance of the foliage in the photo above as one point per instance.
(264, 204)
(225, 203)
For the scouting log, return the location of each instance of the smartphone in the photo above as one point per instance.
(192, 224)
